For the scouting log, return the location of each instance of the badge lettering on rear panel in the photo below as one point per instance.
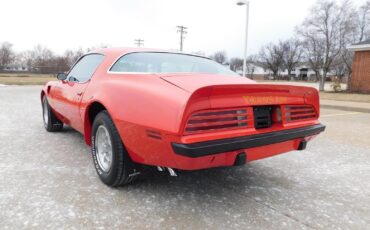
(265, 100)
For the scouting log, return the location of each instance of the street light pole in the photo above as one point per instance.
(246, 3)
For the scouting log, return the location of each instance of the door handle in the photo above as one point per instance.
(79, 94)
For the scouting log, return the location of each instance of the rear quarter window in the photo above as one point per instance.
(161, 62)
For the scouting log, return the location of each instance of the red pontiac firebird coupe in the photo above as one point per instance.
(175, 111)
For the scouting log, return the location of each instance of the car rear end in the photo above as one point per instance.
(226, 125)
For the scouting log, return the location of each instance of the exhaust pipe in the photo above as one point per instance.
(161, 169)
(170, 170)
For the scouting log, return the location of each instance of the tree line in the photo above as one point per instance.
(40, 59)
(321, 43)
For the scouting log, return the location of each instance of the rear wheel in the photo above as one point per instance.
(51, 122)
(111, 160)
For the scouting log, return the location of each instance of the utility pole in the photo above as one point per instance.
(182, 31)
(139, 42)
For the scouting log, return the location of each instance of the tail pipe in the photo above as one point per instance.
(170, 171)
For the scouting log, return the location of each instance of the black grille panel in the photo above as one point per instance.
(262, 117)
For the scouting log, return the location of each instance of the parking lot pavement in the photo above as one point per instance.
(48, 181)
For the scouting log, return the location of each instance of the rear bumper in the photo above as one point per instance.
(206, 148)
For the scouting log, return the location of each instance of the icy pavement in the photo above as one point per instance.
(48, 181)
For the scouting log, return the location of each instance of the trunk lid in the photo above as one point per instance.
(230, 91)
(192, 82)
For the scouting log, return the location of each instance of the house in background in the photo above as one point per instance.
(360, 81)
(301, 72)
(14, 68)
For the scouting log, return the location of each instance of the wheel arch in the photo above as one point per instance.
(93, 109)
(45, 90)
(42, 95)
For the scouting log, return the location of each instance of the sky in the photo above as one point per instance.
(213, 25)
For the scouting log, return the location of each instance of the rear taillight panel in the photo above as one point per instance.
(257, 117)
(212, 120)
(294, 113)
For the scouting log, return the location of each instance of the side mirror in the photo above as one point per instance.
(61, 76)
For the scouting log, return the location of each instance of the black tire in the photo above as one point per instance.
(51, 122)
(122, 170)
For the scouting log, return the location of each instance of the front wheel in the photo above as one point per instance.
(111, 160)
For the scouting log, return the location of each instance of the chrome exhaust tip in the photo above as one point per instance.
(171, 172)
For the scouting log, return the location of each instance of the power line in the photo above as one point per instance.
(139, 42)
(182, 31)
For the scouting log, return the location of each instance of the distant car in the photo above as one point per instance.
(175, 111)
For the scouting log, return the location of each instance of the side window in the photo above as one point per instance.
(85, 67)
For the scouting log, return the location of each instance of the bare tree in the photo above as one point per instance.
(40, 58)
(6, 54)
(323, 25)
(59, 64)
(363, 21)
(220, 57)
(43, 60)
(355, 29)
(72, 56)
(271, 58)
(339, 67)
(314, 54)
(23, 60)
(329, 29)
(41, 55)
(252, 62)
(292, 54)
(236, 64)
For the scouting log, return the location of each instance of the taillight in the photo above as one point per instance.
(276, 115)
(212, 120)
(299, 112)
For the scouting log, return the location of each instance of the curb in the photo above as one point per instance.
(346, 108)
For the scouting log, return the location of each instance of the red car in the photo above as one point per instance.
(175, 111)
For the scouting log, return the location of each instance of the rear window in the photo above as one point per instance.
(157, 62)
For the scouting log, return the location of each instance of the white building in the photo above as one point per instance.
(302, 72)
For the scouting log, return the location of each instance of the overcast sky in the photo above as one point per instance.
(212, 24)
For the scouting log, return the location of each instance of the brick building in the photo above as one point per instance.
(361, 67)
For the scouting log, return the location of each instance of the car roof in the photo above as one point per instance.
(119, 51)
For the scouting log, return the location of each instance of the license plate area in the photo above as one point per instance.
(262, 116)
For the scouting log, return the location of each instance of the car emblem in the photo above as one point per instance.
(265, 100)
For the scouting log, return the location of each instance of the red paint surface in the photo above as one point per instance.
(164, 102)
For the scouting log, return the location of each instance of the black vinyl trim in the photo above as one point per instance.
(200, 149)
(154, 136)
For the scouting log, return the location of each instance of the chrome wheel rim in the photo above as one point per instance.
(103, 148)
(45, 112)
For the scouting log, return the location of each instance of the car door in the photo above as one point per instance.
(71, 90)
